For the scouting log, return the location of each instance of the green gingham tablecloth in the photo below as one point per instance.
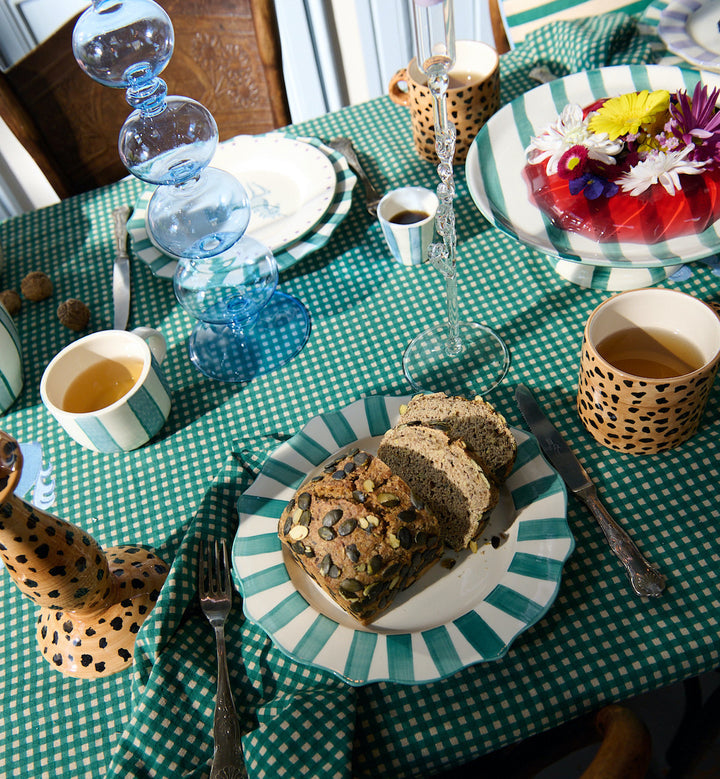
(597, 642)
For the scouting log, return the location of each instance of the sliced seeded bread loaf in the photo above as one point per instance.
(444, 473)
(474, 421)
(357, 532)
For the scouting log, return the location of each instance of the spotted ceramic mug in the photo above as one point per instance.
(107, 389)
(11, 367)
(649, 359)
(473, 97)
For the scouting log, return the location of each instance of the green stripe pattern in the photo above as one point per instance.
(11, 368)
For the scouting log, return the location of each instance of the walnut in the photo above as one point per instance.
(73, 313)
(11, 300)
(36, 286)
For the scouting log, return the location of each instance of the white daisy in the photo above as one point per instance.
(660, 167)
(570, 130)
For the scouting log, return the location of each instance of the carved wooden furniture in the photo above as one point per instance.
(227, 57)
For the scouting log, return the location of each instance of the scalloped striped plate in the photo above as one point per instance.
(450, 618)
(286, 254)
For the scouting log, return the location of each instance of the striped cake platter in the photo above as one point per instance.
(689, 28)
(330, 212)
(495, 165)
(457, 614)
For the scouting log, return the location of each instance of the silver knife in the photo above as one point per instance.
(121, 269)
(645, 579)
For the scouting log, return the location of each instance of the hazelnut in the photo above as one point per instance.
(36, 286)
(11, 300)
(73, 313)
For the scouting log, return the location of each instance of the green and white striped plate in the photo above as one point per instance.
(286, 256)
(615, 279)
(497, 157)
(450, 618)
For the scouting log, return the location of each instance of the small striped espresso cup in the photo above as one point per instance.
(407, 220)
(107, 390)
(11, 368)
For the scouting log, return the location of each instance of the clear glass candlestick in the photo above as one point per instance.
(456, 357)
(197, 213)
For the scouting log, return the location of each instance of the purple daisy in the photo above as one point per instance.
(696, 123)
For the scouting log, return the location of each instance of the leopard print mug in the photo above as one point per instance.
(634, 333)
(473, 97)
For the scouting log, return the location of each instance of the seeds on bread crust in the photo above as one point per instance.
(368, 540)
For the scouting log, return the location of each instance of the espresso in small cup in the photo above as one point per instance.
(407, 220)
(649, 359)
(409, 217)
(107, 389)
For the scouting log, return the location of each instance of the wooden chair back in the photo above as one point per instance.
(499, 29)
(227, 56)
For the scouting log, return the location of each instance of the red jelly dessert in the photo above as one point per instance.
(649, 217)
(639, 168)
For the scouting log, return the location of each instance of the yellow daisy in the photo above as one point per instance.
(630, 112)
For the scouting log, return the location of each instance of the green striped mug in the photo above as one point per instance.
(107, 389)
(11, 368)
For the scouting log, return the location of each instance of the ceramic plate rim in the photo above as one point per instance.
(673, 31)
(164, 265)
(305, 161)
(271, 601)
(511, 212)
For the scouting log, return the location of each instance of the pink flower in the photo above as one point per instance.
(573, 162)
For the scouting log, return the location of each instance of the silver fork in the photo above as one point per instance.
(215, 591)
(345, 147)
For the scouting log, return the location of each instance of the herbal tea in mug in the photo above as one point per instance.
(107, 389)
(101, 384)
(652, 353)
(649, 358)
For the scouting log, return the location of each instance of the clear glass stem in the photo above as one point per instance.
(443, 255)
(454, 345)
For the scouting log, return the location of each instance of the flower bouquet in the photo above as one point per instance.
(642, 167)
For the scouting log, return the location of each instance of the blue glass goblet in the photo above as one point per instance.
(246, 327)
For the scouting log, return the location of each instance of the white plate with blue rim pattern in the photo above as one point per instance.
(689, 28)
(287, 253)
(446, 621)
(494, 174)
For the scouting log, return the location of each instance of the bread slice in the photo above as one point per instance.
(476, 422)
(446, 476)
